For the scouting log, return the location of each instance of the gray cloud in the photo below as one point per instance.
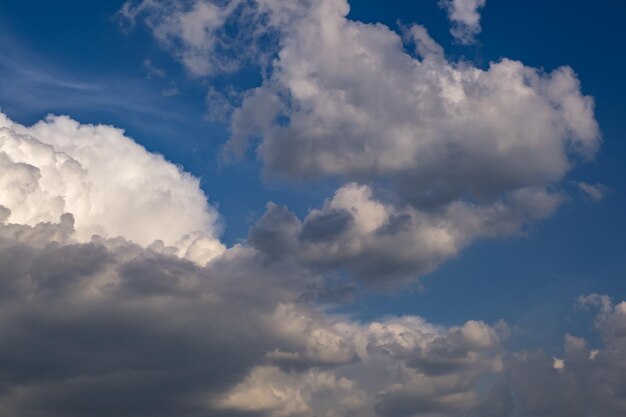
(585, 382)
(101, 326)
(385, 244)
(107, 327)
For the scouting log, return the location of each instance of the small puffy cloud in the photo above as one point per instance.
(109, 184)
(277, 393)
(465, 16)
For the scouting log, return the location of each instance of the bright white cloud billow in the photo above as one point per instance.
(110, 185)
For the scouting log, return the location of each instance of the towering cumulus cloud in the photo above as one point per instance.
(109, 184)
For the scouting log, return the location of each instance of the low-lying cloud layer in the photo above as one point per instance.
(108, 327)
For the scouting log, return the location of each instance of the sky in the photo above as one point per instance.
(312, 208)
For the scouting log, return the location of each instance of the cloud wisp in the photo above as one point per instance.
(465, 17)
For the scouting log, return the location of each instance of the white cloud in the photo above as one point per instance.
(465, 16)
(345, 100)
(197, 31)
(111, 185)
(287, 394)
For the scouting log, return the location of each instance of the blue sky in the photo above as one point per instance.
(83, 60)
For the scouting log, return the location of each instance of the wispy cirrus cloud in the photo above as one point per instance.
(34, 85)
(596, 192)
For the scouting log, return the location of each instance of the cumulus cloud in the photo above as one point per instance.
(98, 314)
(585, 382)
(109, 184)
(465, 16)
(451, 151)
(383, 243)
(344, 99)
(107, 326)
